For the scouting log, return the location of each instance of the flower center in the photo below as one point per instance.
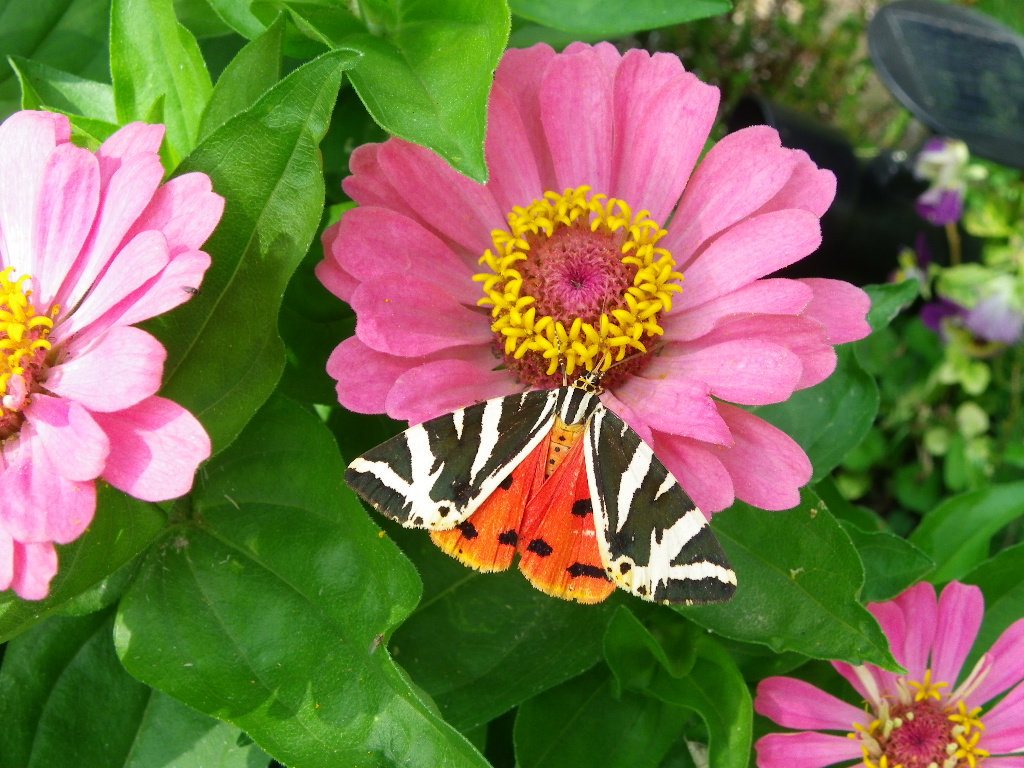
(577, 280)
(923, 731)
(23, 347)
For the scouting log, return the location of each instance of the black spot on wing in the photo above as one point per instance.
(506, 483)
(469, 530)
(509, 538)
(540, 548)
(577, 570)
(582, 507)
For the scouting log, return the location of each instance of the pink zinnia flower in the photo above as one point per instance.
(574, 254)
(89, 245)
(921, 719)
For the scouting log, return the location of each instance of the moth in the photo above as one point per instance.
(556, 477)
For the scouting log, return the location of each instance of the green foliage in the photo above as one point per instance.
(593, 18)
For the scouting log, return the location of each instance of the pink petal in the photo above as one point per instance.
(334, 278)
(185, 210)
(156, 447)
(132, 140)
(37, 504)
(67, 206)
(163, 292)
(142, 258)
(440, 387)
(34, 567)
(769, 296)
(1007, 665)
(806, 749)
(961, 609)
(737, 176)
(514, 178)
(628, 415)
(26, 141)
(520, 74)
(372, 242)
(842, 308)
(1006, 717)
(767, 466)
(6, 559)
(1005, 762)
(409, 317)
(698, 469)
(751, 249)
(798, 704)
(920, 610)
(369, 185)
(890, 618)
(809, 188)
(576, 111)
(452, 204)
(661, 127)
(801, 335)
(117, 370)
(364, 375)
(608, 56)
(676, 406)
(75, 444)
(122, 201)
(748, 371)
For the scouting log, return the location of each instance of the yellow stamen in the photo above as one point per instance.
(22, 331)
(927, 689)
(583, 344)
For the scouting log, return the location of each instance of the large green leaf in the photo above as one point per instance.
(269, 609)
(224, 354)
(121, 529)
(426, 69)
(1002, 582)
(891, 563)
(615, 18)
(830, 419)
(582, 724)
(710, 684)
(888, 300)
(481, 643)
(156, 65)
(799, 578)
(65, 700)
(254, 71)
(70, 35)
(956, 534)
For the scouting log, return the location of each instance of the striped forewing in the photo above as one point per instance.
(655, 542)
(436, 474)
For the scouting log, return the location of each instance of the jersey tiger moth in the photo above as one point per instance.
(557, 477)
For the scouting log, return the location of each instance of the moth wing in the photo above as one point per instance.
(654, 540)
(436, 474)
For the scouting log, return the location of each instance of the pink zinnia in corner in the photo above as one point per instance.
(935, 715)
(593, 236)
(90, 244)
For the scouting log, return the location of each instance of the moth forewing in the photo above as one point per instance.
(654, 541)
(438, 473)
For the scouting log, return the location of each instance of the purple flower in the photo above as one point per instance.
(943, 163)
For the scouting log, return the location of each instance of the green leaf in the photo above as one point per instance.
(616, 18)
(70, 35)
(830, 419)
(956, 534)
(799, 578)
(582, 723)
(891, 564)
(1002, 582)
(888, 300)
(65, 699)
(269, 608)
(426, 70)
(512, 641)
(709, 683)
(153, 57)
(44, 86)
(253, 72)
(122, 528)
(224, 354)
